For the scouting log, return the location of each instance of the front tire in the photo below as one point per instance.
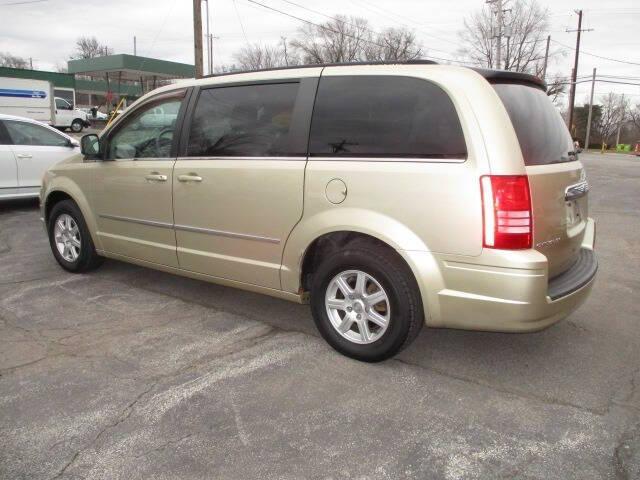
(70, 240)
(366, 303)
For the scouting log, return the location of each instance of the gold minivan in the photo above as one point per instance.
(387, 196)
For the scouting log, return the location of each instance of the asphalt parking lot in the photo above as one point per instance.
(131, 373)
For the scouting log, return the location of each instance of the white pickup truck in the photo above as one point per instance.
(35, 99)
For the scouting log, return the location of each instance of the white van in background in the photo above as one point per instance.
(35, 99)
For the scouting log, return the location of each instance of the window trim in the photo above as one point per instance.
(300, 118)
(393, 157)
(181, 93)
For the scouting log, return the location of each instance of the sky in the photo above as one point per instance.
(46, 30)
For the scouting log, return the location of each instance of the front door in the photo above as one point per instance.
(132, 195)
(64, 113)
(238, 190)
(8, 166)
(36, 148)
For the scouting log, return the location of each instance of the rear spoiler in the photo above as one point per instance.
(504, 76)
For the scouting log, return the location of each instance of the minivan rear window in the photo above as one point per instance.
(540, 129)
(384, 116)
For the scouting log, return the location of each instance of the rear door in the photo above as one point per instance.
(238, 188)
(559, 191)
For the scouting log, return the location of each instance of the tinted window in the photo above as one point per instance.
(540, 129)
(23, 133)
(361, 116)
(147, 132)
(251, 120)
(4, 136)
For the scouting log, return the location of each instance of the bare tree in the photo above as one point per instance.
(89, 47)
(342, 39)
(256, 56)
(394, 44)
(556, 87)
(523, 41)
(615, 111)
(12, 61)
(634, 115)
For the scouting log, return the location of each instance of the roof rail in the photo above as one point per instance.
(341, 64)
(492, 76)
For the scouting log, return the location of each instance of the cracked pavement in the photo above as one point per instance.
(132, 373)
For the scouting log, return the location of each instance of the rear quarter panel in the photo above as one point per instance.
(420, 205)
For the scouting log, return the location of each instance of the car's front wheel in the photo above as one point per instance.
(366, 303)
(70, 240)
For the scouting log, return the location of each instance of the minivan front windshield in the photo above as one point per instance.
(540, 129)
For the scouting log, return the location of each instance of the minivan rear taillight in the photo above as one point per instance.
(506, 207)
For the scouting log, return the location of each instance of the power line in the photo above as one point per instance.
(324, 27)
(603, 81)
(597, 56)
(387, 13)
(244, 34)
(343, 21)
(22, 3)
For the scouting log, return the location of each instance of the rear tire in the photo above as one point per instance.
(70, 240)
(353, 324)
(77, 125)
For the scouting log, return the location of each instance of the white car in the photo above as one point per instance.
(27, 149)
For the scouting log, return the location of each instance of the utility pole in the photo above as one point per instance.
(31, 62)
(197, 36)
(620, 124)
(497, 32)
(135, 47)
(546, 58)
(499, 45)
(284, 46)
(593, 84)
(572, 91)
(209, 42)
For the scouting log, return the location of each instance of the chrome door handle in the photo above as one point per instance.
(24, 155)
(156, 177)
(192, 177)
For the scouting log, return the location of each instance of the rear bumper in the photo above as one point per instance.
(505, 291)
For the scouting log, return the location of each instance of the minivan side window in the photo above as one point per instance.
(384, 116)
(244, 121)
(146, 133)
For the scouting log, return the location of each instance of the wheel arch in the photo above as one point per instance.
(343, 225)
(65, 189)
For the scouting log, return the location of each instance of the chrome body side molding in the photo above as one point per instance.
(187, 228)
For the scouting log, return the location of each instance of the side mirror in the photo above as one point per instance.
(90, 145)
